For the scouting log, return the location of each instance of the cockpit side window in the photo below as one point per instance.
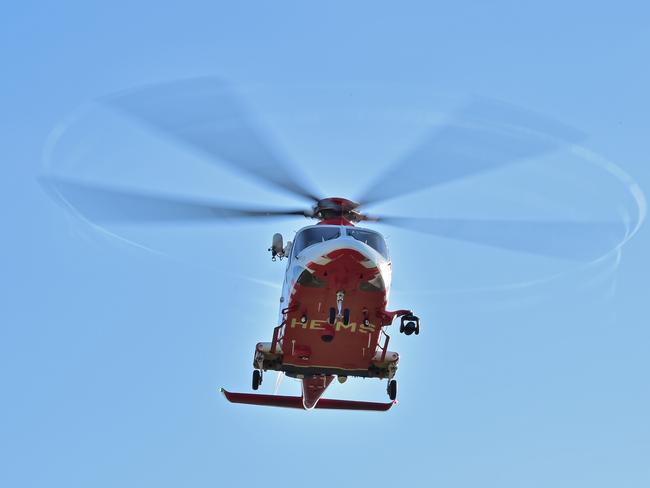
(373, 239)
(313, 235)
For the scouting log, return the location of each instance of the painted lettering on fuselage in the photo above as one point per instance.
(315, 324)
(352, 326)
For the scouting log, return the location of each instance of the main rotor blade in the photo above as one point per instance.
(483, 136)
(579, 241)
(105, 205)
(205, 115)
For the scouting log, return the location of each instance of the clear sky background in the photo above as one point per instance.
(111, 356)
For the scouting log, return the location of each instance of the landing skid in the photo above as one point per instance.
(297, 402)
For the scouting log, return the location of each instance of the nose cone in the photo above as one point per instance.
(343, 246)
(346, 264)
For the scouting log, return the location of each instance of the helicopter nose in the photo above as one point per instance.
(350, 249)
(347, 264)
(357, 246)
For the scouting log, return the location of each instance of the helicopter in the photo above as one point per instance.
(333, 317)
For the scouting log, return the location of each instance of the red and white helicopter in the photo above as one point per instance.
(333, 314)
(333, 311)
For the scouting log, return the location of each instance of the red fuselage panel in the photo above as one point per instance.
(310, 339)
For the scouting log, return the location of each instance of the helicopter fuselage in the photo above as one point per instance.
(333, 302)
(332, 315)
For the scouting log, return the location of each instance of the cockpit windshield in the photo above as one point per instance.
(373, 239)
(313, 235)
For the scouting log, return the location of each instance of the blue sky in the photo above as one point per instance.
(111, 356)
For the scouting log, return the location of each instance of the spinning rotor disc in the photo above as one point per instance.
(205, 117)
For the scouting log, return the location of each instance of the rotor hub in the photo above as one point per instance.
(337, 210)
